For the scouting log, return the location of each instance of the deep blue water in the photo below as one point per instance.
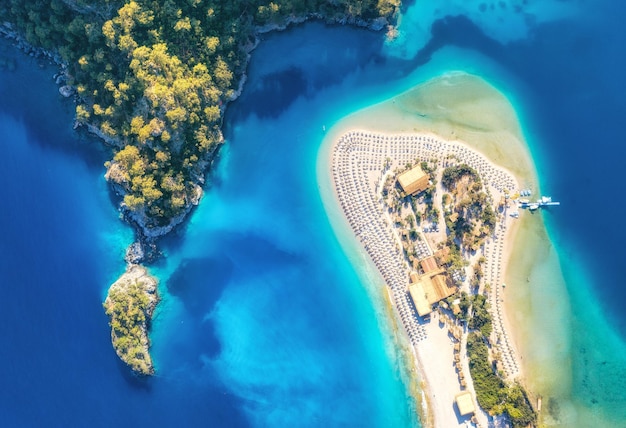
(264, 322)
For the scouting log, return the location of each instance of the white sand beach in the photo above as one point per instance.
(358, 162)
(484, 134)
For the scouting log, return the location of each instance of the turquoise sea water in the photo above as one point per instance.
(264, 322)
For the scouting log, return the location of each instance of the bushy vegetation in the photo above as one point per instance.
(472, 217)
(492, 393)
(517, 407)
(487, 383)
(454, 261)
(453, 174)
(129, 310)
(154, 75)
(481, 317)
(478, 273)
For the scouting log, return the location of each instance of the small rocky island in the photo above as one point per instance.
(129, 304)
(153, 81)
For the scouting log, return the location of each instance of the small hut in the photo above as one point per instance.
(413, 181)
(465, 403)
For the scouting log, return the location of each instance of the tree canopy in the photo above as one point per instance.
(155, 75)
(129, 309)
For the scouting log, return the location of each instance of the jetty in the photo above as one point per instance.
(544, 201)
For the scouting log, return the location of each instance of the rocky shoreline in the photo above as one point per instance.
(145, 249)
(135, 292)
(6, 31)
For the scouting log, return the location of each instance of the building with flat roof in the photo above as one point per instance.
(422, 305)
(413, 181)
(430, 288)
(465, 403)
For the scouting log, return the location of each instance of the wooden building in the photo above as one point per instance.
(430, 288)
(429, 264)
(413, 181)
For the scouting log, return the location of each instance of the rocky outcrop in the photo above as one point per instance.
(130, 303)
(148, 231)
(7, 31)
(132, 299)
(146, 228)
(375, 24)
(67, 91)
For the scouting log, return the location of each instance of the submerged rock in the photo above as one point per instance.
(66, 91)
(135, 253)
(130, 303)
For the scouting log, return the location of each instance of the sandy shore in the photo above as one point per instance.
(483, 131)
(357, 164)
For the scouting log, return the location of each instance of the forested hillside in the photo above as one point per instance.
(152, 76)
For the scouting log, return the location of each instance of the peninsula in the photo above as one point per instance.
(438, 217)
(152, 80)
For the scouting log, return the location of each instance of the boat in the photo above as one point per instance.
(544, 201)
(547, 201)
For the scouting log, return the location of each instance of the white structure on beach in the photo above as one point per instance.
(465, 403)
